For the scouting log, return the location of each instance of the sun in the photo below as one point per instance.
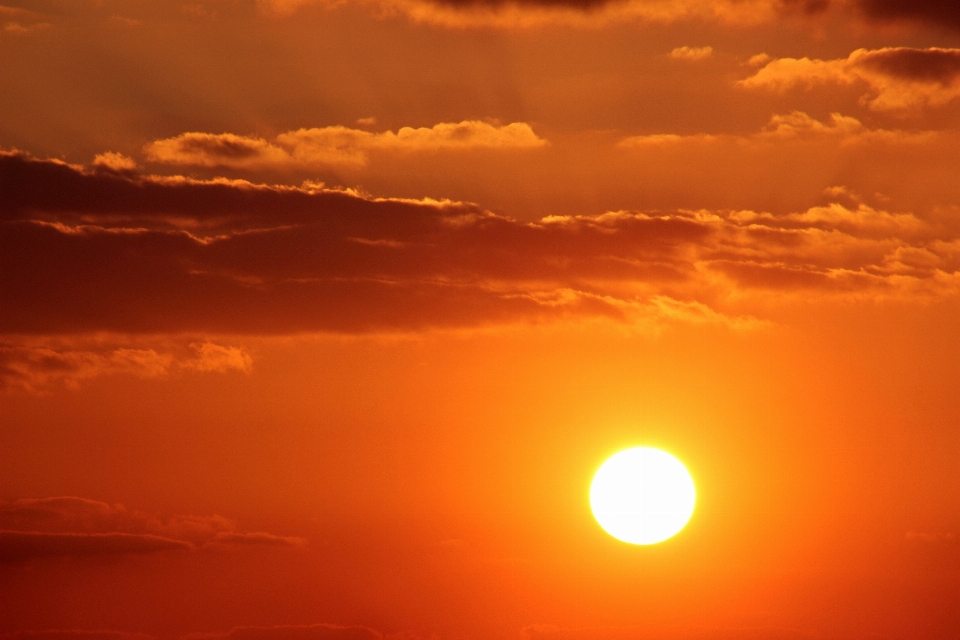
(642, 495)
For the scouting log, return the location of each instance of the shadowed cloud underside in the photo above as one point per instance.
(103, 251)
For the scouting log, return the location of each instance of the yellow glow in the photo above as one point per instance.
(642, 495)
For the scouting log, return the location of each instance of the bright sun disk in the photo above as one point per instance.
(642, 495)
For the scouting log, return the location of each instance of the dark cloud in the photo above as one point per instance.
(71, 514)
(281, 632)
(86, 252)
(292, 632)
(60, 514)
(19, 545)
(941, 13)
(921, 65)
(74, 634)
(937, 13)
(72, 526)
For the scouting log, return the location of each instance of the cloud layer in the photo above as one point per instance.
(86, 252)
(525, 13)
(319, 631)
(292, 632)
(35, 368)
(76, 527)
(332, 146)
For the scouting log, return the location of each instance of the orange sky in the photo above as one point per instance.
(316, 318)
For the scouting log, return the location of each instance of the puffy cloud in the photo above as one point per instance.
(335, 145)
(112, 161)
(798, 123)
(71, 526)
(36, 368)
(691, 53)
(898, 78)
(214, 357)
(90, 252)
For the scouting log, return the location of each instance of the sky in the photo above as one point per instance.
(317, 317)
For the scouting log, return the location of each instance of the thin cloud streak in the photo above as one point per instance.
(68, 526)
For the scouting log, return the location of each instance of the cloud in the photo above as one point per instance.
(897, 78)
(318, 631)
(112, 161)
(335, 145)
(550, 632)
(82, 253)
(938, 13)
(691, 53)
(74, 634)
(532, 13)
(17, 546)
(35, 368)
(292, 632)
(255, 538)
(72, 526)
(795, 126)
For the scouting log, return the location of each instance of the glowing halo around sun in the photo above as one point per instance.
(642, 495)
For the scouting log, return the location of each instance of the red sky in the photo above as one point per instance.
(316, 318)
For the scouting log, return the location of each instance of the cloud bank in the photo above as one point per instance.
(68, 526)
(292, 632)
(941, 14)
(88, 252)
(35, 368)
(532, 13)
(318, 631)
(332, 146)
